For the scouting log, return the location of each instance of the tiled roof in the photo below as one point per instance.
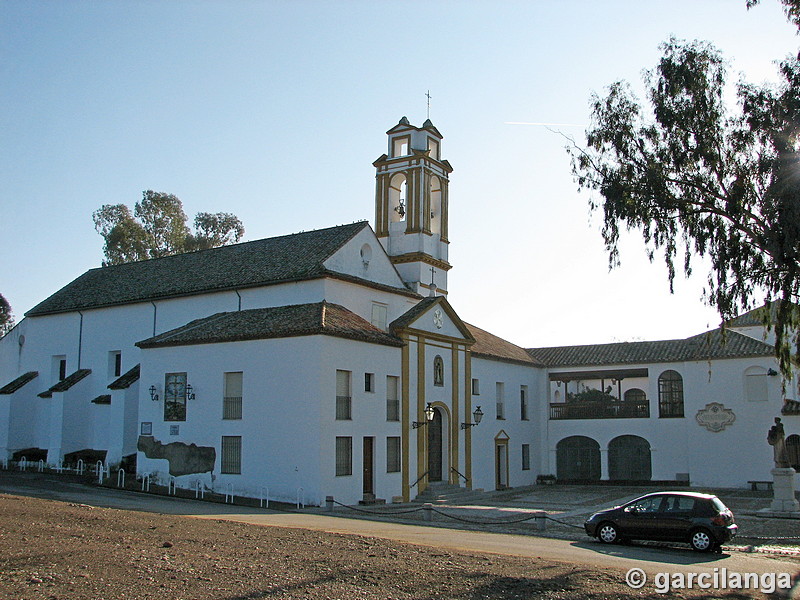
(20, 381)
(492, 347)
(125, 380)
(320, 318)
(710, 345)
(294, 257)
(65, 384)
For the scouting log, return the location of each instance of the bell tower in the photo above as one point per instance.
(411, 205)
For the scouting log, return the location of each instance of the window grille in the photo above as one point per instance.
(344, 456)
(501, 402)
(523, 402)
(526, 457)
(392, 454)
(232, 398)
(670, 395)
(392, 399)
(344, 400)
(231, 459)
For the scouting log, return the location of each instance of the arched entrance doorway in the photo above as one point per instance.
(629, 459)
(437, 446)
(578, 458)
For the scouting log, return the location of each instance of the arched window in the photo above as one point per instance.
(578, 458)
(793, 451)
(755, 384)
(634, 395)
(670, 394)
(438, 371)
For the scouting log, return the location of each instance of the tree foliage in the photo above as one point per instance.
(697, 177)
(6, 316)
(157, 227)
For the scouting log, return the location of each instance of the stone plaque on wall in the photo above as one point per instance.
(715, 417)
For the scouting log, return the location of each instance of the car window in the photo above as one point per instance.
(678, 504)
(648, 505)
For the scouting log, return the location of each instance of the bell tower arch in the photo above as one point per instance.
(411, 205)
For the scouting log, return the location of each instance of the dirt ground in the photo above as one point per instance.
(53, 550)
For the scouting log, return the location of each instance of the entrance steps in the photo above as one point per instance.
(448, 493)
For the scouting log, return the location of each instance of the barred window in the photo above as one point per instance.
(670, 394)
(232, 396)
(344, 399)
(392, 454)
(369, 382)
(523, 402)
(392, 399)
(175, 397)
(231, 455)
(526, 457)
(344, 456)
(500, 392)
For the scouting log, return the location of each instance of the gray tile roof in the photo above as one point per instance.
(295, 257)
(19, 382)
(320, 318)
(65, 384)
(126, 380)
(710, 345)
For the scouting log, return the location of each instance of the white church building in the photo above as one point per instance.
(334, 361)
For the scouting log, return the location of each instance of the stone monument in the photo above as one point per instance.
(783, 493)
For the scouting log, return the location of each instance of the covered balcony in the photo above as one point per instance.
(599, 395)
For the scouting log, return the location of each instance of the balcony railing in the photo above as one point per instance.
(639, 409)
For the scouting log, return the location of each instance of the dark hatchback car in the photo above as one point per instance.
(701, 520)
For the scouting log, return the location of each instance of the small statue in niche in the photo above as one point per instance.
(438, 371)
(777, 439)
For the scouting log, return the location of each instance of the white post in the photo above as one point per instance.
(200, 490)
(300, 497)
(263, 500)
(23, 463)
(171, 486)
(146, 482)
(79, 468)
(229, 494)
(41, 465)
(121, 478)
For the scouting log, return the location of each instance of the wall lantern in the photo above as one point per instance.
(189, 392)
(428, 417)
(153, 394)
(772, 372)
(476, 416)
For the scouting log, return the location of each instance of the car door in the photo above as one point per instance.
(638, 519)
(674, 520)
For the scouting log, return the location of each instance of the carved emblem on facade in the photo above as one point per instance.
(715, 417)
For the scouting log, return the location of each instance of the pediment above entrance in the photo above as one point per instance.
(433, 316)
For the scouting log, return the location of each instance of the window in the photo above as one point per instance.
(670, 395)
(438, 371)
(433, 146)
(369, 382)
(392, 399)
(59, 368)
(114, 364)
(231, 455)
(379, 316)
(344, 456)
(755, 384)
(523, 402)
(526, 457)
(392, 454)
(344, 399)
(400, 146)
(476, 387)
(175, 397)
(500, 393)
(232, 396)
(793, 451)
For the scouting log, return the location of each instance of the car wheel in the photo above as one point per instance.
(607, 533)
(701, 540)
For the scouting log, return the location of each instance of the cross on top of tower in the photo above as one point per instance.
(428, 95)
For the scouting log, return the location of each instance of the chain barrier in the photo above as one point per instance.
(384, 513)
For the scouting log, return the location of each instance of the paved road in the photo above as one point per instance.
(650, 559)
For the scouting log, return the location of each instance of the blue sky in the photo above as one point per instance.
(275, 111)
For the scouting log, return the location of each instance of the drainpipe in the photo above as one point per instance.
(155, 313)
(240, 300)
(80, 339)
